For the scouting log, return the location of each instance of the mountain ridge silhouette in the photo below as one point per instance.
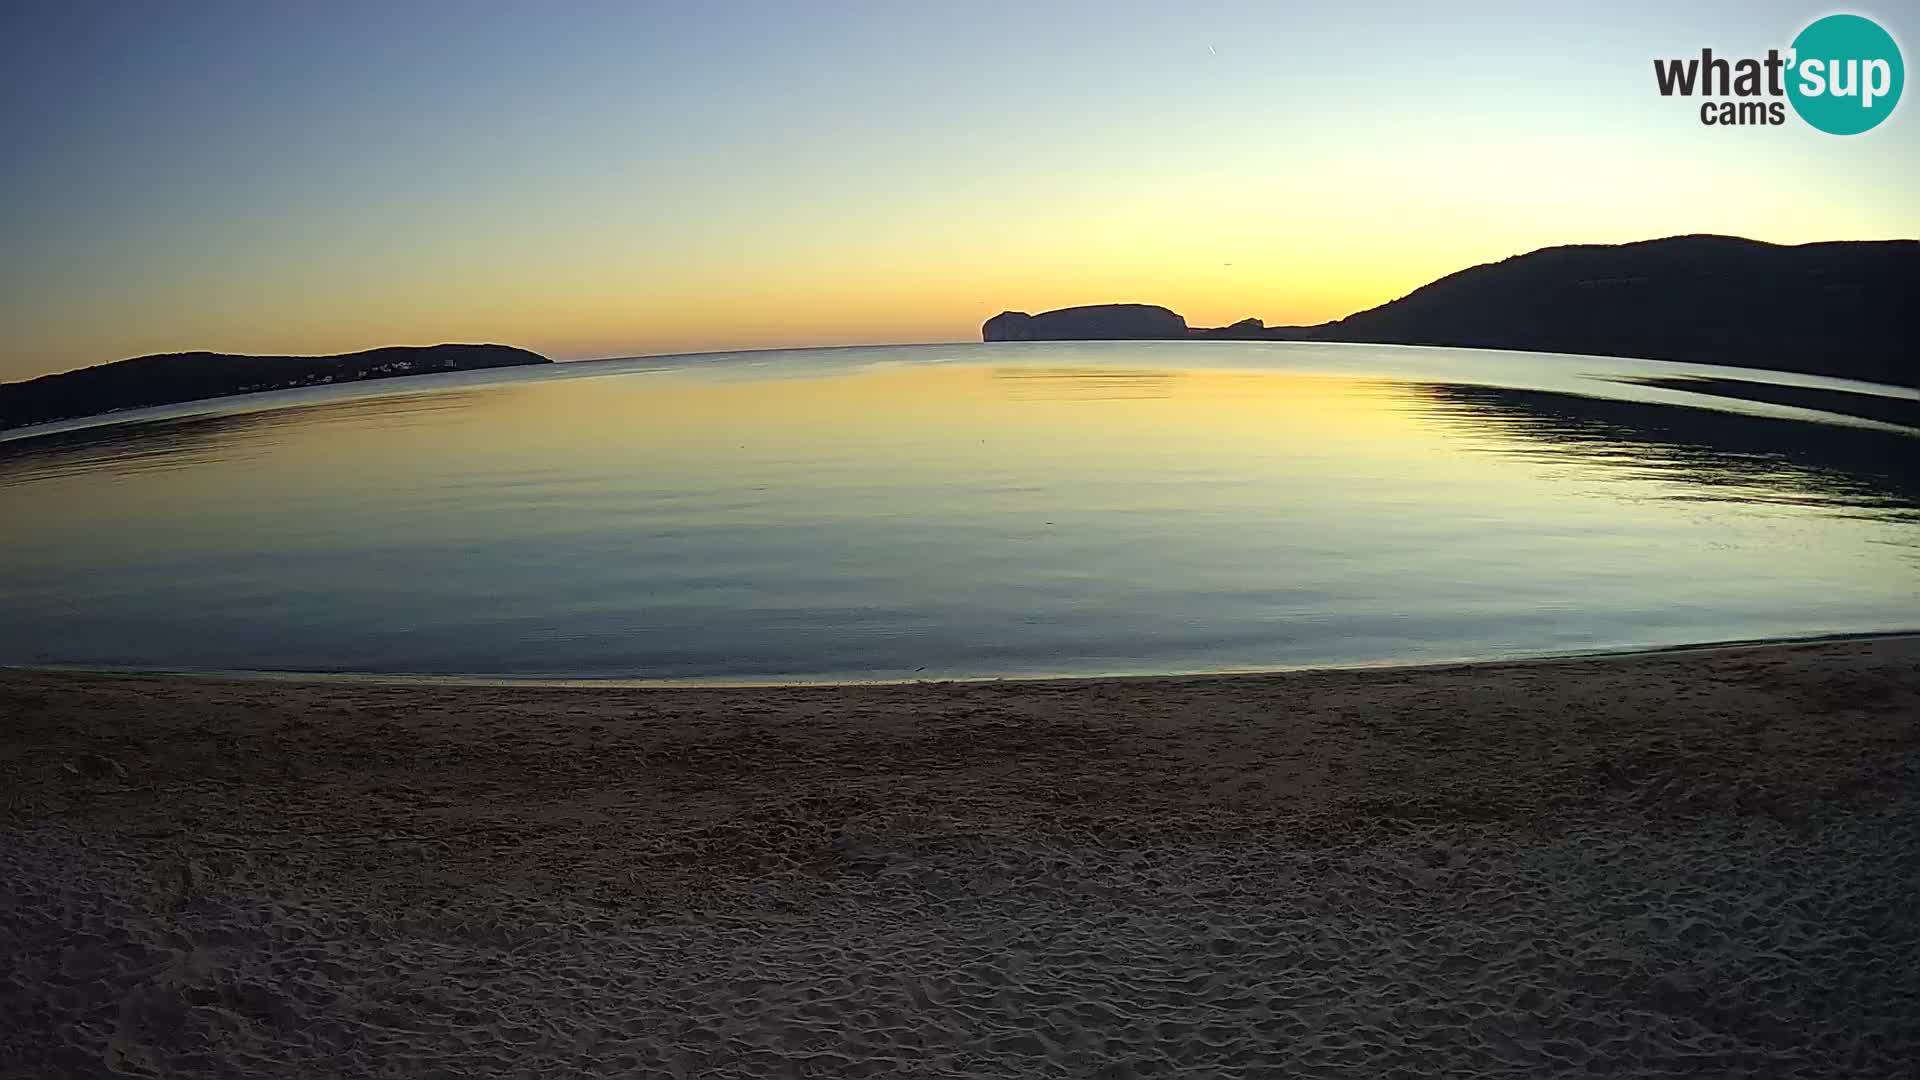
(172, 378)
(1842, 308)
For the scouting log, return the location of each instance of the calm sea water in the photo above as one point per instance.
(919, 512)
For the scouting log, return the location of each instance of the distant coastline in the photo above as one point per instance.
(173, 378)
(1843, 309)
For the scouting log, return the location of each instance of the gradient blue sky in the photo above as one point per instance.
(601, 179)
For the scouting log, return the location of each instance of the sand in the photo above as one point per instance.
(1697, 863)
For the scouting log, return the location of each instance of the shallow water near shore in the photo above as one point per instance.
(967, 510)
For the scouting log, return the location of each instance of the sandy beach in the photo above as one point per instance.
(1698, 863)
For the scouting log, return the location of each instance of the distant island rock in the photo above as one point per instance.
(1843, 308)
(1101, 322)
(171, 378)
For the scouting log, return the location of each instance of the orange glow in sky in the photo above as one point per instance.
(644, 179)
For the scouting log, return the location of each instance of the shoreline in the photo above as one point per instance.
(620, 682)
(1687, 862)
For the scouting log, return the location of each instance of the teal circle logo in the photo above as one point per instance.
(1846, 75)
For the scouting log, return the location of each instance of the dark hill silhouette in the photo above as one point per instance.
(1843, 308)
(170, 378)
(1103, 322)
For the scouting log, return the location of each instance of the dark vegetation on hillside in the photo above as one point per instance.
(169, 378)
(1847, 309)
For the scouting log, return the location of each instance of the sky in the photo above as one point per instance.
(607, 179)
